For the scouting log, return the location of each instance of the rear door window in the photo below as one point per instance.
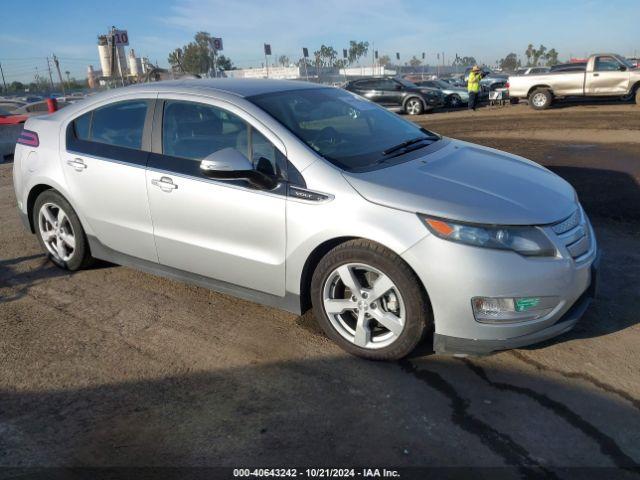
(120, 124)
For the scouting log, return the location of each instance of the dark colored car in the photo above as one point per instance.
(397, 94)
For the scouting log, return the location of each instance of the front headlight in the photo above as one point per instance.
(527, 241)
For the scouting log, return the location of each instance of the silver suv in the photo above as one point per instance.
(301, 196)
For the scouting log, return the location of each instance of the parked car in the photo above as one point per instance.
(455, 81)
(10, 118)
(397, 94)
(453, 96)
(531, 70)
(38, 108)
(11, 105)
(605, 75)
(493, 81)
(299, 195)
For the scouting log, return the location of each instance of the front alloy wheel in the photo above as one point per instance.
(364, 305)
(369, 301)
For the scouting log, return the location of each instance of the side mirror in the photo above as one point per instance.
(622, 68)
(230, 164)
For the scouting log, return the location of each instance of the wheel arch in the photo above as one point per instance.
(414, 95)
(536, 87)
(34, 193)
(321, 250)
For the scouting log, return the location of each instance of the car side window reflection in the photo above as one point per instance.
(194, 131)
(606, 64)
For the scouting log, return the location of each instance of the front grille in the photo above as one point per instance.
(574, 233)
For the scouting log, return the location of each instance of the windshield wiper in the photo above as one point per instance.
(404, 144)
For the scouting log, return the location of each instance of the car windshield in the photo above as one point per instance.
(626, 62)
(347, 130)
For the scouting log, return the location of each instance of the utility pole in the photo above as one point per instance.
(50, 75)
(57, 64)
(3, 82)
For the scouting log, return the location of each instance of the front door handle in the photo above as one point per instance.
(165, 184)
(77, 164)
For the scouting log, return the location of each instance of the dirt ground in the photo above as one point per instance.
(111, 366)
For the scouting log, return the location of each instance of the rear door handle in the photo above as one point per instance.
(165, 183)
(77, 164)
(596, 74)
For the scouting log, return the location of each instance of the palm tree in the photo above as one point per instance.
(529, 54)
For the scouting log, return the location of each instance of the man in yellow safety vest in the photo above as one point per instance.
(473, 86)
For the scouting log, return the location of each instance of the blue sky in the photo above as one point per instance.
(485, 30)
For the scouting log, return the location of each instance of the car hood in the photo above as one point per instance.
(467, 182)
(458, 90)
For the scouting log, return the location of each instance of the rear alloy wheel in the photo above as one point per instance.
(540, 99)
(454, 101)
(414, 106)
(59, 231)
(369, 301)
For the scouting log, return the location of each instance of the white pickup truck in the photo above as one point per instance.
(605, 74)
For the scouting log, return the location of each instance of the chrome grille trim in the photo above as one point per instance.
(568, 223)
(574, 233)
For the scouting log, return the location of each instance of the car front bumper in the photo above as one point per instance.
(453, 274)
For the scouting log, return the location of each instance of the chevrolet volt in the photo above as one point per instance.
(301, 196)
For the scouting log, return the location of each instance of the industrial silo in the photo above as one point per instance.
(104, 52)
(135, 64)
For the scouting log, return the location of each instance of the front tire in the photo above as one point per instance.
(414, 106)
(454, 101)
(540, 99)
(638, 96)
(60, 232)
(368, 301)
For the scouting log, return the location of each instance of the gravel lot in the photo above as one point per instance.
(114, 367)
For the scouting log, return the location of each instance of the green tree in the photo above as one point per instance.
(224, 63)
(384, 60)
(538, 54)
(16, 87)
(529, 54)
(510, 62)
(415, 61)
(552, 57)
(283, 60)
(357, 50)
(197, 57)
(325, 56)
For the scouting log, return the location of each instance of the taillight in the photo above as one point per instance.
(506, 85)
(28, 138)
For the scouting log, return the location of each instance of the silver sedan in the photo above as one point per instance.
(301, 196)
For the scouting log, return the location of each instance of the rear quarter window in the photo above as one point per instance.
(120, 124)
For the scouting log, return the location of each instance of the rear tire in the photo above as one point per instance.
(351, 319)
(514, 100)
(60, 232)
(414, 106)
(540, 99)
(638, 96)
